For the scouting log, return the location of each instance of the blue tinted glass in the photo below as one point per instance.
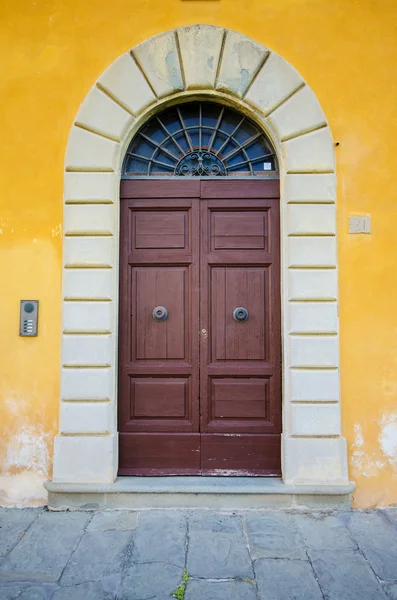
(161, 156)
(173, 136)
(205, 137)
(144, 148)
(210, 114)
(219, 140)
(245, 132)
(171, 121)
(229, 147)
(190, 114)
(237, 158)
(194, 136)
(137, 166)
(230, 120)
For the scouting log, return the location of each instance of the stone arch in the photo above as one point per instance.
(200, 61)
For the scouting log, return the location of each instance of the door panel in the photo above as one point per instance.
(203, 247)
(158, 362)
(240, 367)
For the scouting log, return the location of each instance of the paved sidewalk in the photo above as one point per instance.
(197, 555)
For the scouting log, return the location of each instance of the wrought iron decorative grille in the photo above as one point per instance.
(199, 139)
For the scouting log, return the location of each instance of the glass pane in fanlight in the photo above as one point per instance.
(154, 131)
(182, 141)
(171, 121)
(190, 114)
(210, 114)
(219, 140)
(194, 136)
(229, 121)
(135, 165)
(239, 157)
(161, 156)
(205, 137)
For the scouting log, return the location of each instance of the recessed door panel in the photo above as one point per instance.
(239, 398)
(233, 288)
(155, 229)
(164, 287)
(239, 230)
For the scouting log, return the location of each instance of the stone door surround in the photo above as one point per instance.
(200, 62)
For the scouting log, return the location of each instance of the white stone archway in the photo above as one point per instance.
(196, 62)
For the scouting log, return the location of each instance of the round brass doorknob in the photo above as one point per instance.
(240, 314)
(160, 313)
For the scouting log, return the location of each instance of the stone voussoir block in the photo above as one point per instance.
(101, 114)
(312, 152)
(274, 83)
(241, 60)
(200, 68)
(300, 113)
(158, 57)
(89, 151)
(125, 81)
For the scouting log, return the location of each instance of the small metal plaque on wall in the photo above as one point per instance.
(28, 318)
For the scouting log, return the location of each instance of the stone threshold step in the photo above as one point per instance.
(229, 493)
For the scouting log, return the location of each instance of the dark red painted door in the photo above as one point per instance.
(200, 391)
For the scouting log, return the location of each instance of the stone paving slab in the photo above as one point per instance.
(377, 539)
(150, 580)
(113, 520)
(324, 532)
(145, 555)
(14, 523)
(161, 536)
(280, 579)
(274, 535)
(42, 553)
(345, 575)
(99, 553)
(217, 547)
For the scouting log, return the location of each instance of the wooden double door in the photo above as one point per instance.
(199, 381)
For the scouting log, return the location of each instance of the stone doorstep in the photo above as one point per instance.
(228, 493)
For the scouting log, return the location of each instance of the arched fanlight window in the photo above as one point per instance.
(199, 139)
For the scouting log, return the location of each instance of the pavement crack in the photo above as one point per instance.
(246, 537)
(75, 548)
(315, 574)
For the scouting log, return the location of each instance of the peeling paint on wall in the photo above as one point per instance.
(28, 450)
(388, 438)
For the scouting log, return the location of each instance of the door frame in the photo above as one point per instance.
(272, 93)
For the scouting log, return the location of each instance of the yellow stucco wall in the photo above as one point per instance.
(51, 52)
